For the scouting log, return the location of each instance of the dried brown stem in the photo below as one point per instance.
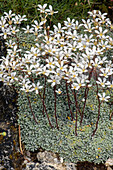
(20, 141)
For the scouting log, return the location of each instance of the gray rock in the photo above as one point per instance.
(109, 162)
(48, 157)
(70, 166)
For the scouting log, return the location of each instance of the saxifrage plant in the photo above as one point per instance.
(62, 61)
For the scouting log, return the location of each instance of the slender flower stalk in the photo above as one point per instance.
(31, 109)
(75, 97)
(76, 123)
(69, 101)
(44, 92)
(55, 107)
(44, 106)
(76, 102)
(86, 94)
(110, 117)
(99, 104)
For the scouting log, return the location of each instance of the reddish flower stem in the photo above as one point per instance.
(31, 109)
(55, 107)
(76, 123)
(111, 116)
(75, 97)
(44, 93)
(86, 94)
(76, 103)
(99, 103)
(69, 101)
(45, 110)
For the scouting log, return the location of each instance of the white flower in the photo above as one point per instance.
(3, 77)
(49, 49)
(68, 53)
(24, 80)
(36, 87)
(61, 66)
(73, 45)
(18, 19)
(14, 50)
(71, 35)
(97, 62)
(89, 54)
(14, 30)
(101, 33)
(28, 29)
(82, 68)
(105, 72)
(59, 74)
(28, 69)
(5, 64)
(47, 40)
(50, 10)
(5, 33)
(54, 80)
(26, 59)
(58, 29)
(76, 25)
(69, 23)
(58, 91)
(50, 63)
(13, 77)
(103, 97)
(105, 44)
(88, 28)
(93, 13)
(44, 70)
(80, 83)
(22, 18)
(3, 23)
(9, 15)
(101, 82)
(88, 39)
(37, 25)
(34, 52)
(27, 88)
(109, 84)
(14, 64)
(75, 86)
(10, 43)
(42, 8)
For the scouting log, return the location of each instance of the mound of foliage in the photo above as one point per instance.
(63, 141)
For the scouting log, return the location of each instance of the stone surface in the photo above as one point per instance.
(48, 161)
(49, 166)
(48, 157)
(109, 162)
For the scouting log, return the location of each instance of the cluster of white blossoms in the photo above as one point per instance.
(73, 52)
